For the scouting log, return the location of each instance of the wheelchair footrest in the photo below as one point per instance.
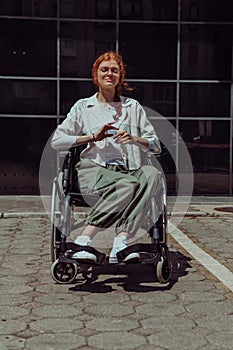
(73, 248)
(138, 248)
(152, 260)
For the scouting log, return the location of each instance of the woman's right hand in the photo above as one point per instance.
(102, 133)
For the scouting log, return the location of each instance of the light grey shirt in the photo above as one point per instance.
(88, 115)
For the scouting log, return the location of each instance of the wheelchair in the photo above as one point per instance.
(67, 199)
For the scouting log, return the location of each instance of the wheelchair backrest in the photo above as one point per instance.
(69, 178)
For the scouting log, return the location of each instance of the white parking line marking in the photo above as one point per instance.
(212, 265)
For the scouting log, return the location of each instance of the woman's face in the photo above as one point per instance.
(108, 74)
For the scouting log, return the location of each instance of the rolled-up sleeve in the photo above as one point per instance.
(66, 134)
(154, 144)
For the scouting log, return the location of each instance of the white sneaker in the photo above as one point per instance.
(119, 244)
(83, 255)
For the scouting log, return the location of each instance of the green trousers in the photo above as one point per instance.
(123, 196)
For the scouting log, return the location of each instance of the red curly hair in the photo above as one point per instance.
(111, 55)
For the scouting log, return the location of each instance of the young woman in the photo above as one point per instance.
(116, 131)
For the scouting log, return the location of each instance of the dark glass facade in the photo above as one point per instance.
(179, 57)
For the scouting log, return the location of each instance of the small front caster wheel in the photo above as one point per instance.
(63, 272)
(163, 270)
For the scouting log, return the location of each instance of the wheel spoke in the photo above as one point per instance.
(63, 272)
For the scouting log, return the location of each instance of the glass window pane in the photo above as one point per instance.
(21, 158)
(206, 10)
(28, 48)
(149, 50)
(160, 97)
(81, 43)
(150, 9)
(34, 8)
(105, 9)
(208, 144)
(27, 97)
(205, 100)
(73, 91)
(206, 52)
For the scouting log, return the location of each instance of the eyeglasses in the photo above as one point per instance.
(112, 70)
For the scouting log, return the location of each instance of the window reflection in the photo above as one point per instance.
(34, 8)
(154, 9)
(157, 45)
(157, 96)
(28, 48)
(21, 158)
(206, 131)
(105, 9)
(131, 9)
(206, 10)
(204, 100)
(208, 144)
(206, 52)
(28, 97)
(81, 43)
(148, 42)
(72, 91)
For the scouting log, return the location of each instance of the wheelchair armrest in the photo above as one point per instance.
(161, 156)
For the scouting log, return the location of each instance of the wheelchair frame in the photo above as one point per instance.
(65, 197)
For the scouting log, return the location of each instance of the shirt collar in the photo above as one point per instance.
(93, 101)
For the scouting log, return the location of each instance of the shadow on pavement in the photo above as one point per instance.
(136, 277)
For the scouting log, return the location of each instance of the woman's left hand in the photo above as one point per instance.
(123, 137)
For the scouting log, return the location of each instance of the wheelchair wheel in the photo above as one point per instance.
(63, 272)
(56, 218)
(163, 267)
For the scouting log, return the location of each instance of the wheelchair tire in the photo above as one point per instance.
(55, 219)
(63, 273)
(163, 267)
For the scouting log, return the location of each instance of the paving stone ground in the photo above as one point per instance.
(114, 311)
(213, 235)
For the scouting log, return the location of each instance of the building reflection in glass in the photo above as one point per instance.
(179, 59)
